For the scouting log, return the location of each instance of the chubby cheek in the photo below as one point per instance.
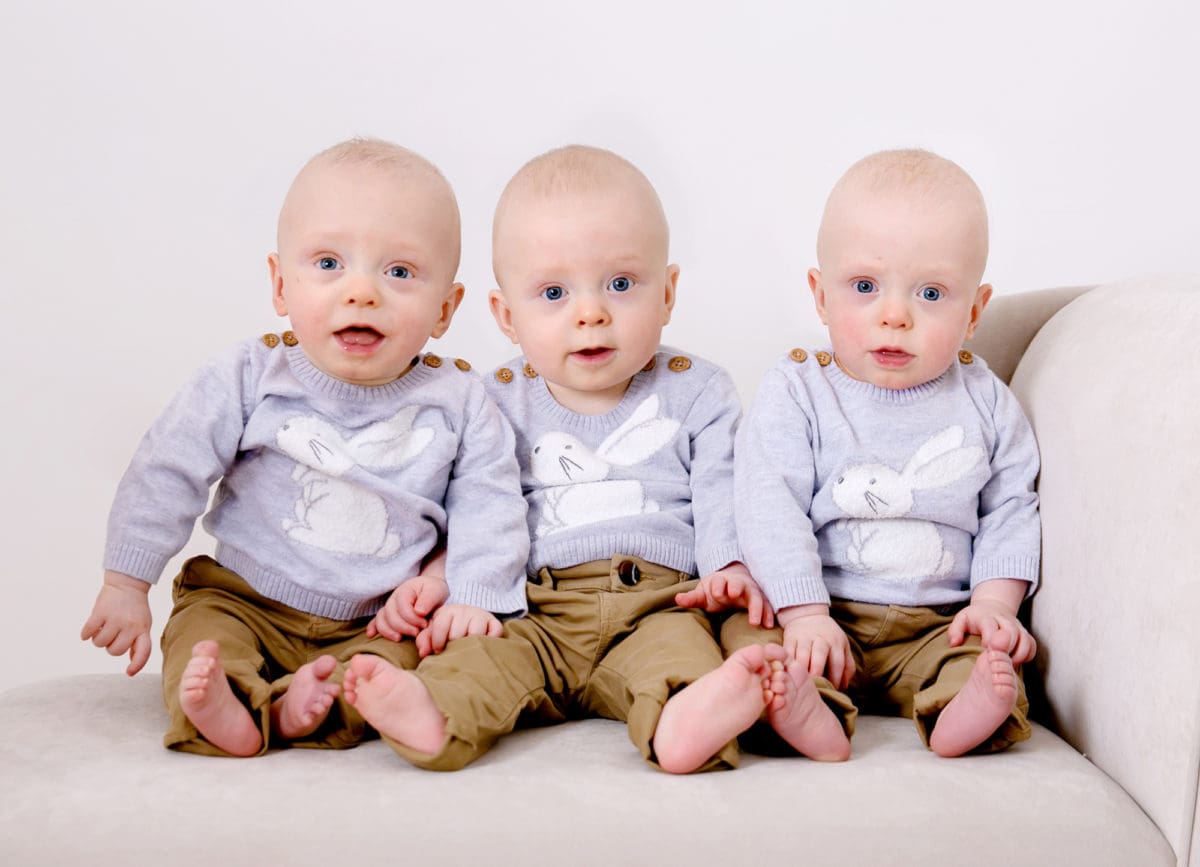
(847, 332)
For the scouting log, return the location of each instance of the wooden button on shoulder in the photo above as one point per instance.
(965, 356)
(650, 364)
(529, 371)
(823, 358)
(462, 364)
(504, 375)
(270, 340)
(289, 338)
(679, 363)
(798, 355)
(432, 360)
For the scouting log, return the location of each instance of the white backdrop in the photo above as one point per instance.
(147, 146)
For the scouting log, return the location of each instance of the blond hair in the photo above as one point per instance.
(911, 172)
(383, 155)
(576, 169)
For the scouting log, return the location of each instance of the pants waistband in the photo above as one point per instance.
(620, 572)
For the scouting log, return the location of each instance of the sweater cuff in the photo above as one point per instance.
(712, 559)
(797, 591)
(136, 562)
(1020, 568)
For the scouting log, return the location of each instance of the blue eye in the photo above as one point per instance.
(399, 272)
(553, 293)
(864, 286)
(620, 284)
(931, 293)
(327, 263)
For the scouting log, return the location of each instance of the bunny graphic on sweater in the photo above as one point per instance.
(334, 514)
(899, 548)
(578, 490)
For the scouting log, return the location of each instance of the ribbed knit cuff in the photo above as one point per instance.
(712, 559)
(1021, 568)
(135, 561)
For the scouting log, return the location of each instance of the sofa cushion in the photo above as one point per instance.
(88, 782)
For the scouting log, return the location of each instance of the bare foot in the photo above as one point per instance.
(980, 707)
(801, 717)
(308, 699)
(395, 702)
(210, 704)
(704, 716)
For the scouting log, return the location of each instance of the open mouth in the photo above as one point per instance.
(358, 337)
(593, 353)
(891, 357)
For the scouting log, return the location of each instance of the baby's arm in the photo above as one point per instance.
(407, 609)
(817, 642)
(730, 587)
(992, 615)
(120, 619)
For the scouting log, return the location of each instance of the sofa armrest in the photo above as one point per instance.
(1112, 387)
(1010, 323)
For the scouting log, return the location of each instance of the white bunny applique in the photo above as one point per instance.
(899, 548)
(336, 515)
(577, 487)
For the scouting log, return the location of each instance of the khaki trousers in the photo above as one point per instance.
(262, 644)
(904, 665)
(591, 645)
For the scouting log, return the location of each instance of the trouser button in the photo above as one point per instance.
(629, 573)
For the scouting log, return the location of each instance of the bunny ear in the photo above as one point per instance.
(393, 442)
(941, 460)
(642, 434)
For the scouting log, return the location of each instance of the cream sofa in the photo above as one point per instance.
(1111, 383)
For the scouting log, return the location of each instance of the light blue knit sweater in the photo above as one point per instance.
(330, 494)
(909, 497)
(653, 477)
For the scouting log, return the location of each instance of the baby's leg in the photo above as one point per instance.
(979, 708)
(395, 702)
(307, 701)
(701, 718)
(800, 716)
(210, 704)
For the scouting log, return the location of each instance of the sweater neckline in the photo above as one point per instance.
(847, 384)
(320, 381)
(558, 415)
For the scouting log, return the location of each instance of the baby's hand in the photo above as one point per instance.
(407, 610)
(120, 619)
(818, 643)
(997, 627)
(731, 587)
(456, 621)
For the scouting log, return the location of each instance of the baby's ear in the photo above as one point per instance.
(502, 313)
(453, 298)
(276, 284)
(982, 296)
(669, 299)
(818, 292)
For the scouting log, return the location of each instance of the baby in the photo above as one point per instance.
(885, 490)
(626, 452)
(345, 459)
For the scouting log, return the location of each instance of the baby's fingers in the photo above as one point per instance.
(819, 657)
(1026, 648)
(958, 628)
(429, 597)
(139, 654)
(694, 598)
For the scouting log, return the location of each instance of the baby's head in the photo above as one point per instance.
(901, 251)
(368, 247)
(579, 249)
